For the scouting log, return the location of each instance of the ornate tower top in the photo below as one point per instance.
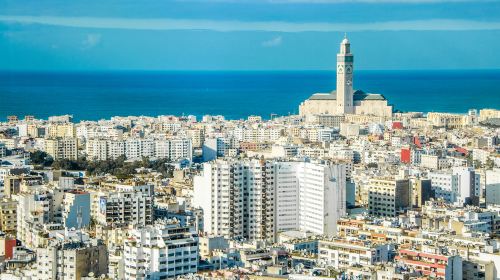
(345, 46)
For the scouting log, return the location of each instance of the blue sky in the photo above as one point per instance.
(247, 35)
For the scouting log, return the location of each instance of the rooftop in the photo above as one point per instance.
(358, 95)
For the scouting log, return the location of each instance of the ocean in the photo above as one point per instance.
(97, 95)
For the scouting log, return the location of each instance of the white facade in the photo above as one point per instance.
(136, 148)
(257, 200)
(340, 253)
(161, 251)
(322, 196)
(122, 208)
(461, 186)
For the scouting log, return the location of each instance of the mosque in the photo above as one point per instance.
(345, 100)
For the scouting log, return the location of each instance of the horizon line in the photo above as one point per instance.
(233, 70)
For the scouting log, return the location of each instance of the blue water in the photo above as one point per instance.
(96, 95)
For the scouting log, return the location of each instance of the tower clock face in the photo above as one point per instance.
(340, 69)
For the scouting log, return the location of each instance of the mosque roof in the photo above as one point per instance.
(357, 96)
(324, 96)
(361, 95)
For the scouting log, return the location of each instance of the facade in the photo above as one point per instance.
(492, 186)
(459, 186)
(68, 260)
(256, 199)
(76, 209)
(322, 196)
(136, 148)
(343, 253)
(8, 216)
(233, 196)
(421, 192)
(164, 250)
(61, 130)
(33, 209)
(436, 266)
(388, 197)
(122, 205)
(345, 100)
(62, 148)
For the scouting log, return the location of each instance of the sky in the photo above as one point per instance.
(101, 35)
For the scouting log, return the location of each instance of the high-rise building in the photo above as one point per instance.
(234, 196)
(322, 196)
(256, 199)
(33, 210)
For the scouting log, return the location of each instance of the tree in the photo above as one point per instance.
(41, 158)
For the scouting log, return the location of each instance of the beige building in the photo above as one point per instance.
(448, 120)
(345, 100)
(388, 197)
(8, 216)
(61, 130)
(486, 114)
(62, 148)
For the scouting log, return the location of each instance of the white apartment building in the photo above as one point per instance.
(432, 161)
(256, 200)
(122, 207)
(480, 155)
(136, 148)
(322, 196)
(97, 149)
(234, 198)
(161, 251)
(460, 186)
(342, 253)
(286, 197)
(180, 149)
(215, 147)
(33, 210)
(492, 186)
(445, 186)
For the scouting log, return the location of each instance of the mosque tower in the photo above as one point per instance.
(344, 78)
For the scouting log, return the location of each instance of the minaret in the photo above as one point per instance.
(344, 78)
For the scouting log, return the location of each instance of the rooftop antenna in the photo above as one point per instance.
(345, 35)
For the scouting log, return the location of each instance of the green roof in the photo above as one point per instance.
(357, 96)
(324, 96)
(361, 95)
